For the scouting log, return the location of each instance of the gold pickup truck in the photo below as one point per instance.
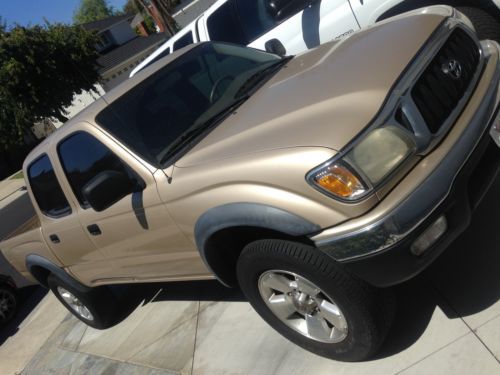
(312, 182)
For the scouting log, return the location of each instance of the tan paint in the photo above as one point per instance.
(316, 105)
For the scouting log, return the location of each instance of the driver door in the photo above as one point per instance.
(136, 233)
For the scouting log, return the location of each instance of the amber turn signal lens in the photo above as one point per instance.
(340, 181)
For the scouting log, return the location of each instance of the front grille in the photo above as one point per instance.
(442, 85)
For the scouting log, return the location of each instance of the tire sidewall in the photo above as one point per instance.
(357, 345)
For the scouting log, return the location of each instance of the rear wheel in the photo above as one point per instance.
(95, 307)
(486, 25)
(8, 303)
(312, 301)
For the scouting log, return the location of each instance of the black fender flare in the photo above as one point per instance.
(34, 260)
(248, 215)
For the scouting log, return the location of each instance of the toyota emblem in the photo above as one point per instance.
(452, 69)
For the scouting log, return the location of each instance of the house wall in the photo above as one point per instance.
(113, 77)
(80, 102)
(122, 33)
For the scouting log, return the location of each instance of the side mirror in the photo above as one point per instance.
(276, 47)
(107, 188)
(282, 9)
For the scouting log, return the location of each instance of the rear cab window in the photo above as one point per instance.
(46, 189)
(183, 41)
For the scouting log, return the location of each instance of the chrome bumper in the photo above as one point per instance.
(398, 224)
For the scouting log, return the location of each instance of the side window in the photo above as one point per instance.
(256, 16)
(83, 157)
(46, 189)
(183, 41)
(224, 25)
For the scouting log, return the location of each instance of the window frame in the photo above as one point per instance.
(63, 213)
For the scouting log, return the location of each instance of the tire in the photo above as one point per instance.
(95, 307)
(486, 25)
(362, 314)
(8, 304)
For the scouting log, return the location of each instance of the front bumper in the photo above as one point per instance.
(379, 252)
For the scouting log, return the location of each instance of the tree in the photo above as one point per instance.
(131, 7)
(92, 10)
(41, 68)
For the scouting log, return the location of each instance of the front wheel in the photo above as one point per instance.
(95, 307)
(312, 301)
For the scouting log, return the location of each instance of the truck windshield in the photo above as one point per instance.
(189, 92)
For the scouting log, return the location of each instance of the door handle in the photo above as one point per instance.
(94, 230)
(54, 238)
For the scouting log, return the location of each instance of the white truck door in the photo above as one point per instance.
(254, 22)
(320, 22)
(368, 11)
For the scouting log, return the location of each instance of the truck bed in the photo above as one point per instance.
(17, 217)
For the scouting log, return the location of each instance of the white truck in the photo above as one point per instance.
(294, 26)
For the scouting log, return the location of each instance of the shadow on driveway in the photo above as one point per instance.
(28, 298)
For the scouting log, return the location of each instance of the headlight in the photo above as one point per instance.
(365, 165)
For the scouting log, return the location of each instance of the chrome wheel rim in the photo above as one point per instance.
(75, 304)
(7, 305)
(302, 306)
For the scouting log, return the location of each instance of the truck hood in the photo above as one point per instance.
(322, 98)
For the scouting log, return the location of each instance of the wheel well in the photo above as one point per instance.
(223, 248)
(41, 274)
(407, 5)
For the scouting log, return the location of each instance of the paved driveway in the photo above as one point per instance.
(448, 323)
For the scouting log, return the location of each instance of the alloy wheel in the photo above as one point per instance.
(303, 306)
(75, 304)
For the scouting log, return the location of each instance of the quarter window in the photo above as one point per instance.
(183, 41)
(46, 189)
(83, 157)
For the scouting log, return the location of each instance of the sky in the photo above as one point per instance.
(33, 12)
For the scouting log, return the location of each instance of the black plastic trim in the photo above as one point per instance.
(34, 260)
(248, 215)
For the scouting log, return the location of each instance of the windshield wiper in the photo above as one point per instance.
(197, 129)
(258, 76)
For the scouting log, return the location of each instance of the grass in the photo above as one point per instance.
(19, 175)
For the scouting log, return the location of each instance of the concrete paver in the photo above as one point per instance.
(465, 356)
(489, 334)
(17, 351)
(232, 338)
(208, 337)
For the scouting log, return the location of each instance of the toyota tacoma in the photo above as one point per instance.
(313, 182)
